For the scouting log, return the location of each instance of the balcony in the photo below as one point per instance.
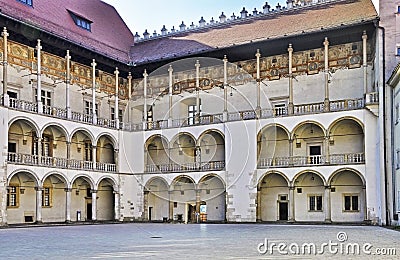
(28, 159)
(186, 167)
(315, 160)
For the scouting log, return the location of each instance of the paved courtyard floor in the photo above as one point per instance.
(202, 241)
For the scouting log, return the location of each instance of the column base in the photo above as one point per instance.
(328, 221)
(291, 221)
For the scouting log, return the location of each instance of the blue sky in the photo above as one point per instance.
(153, 14)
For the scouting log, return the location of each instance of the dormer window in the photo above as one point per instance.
(27, 2)
(81, 22)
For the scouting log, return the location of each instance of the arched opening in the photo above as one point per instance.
(105, 156)
(212, 199)
(54, 146)
(156, 200)
(346, 142)
(105, 200)
(23, 142)
(309, 192)
(347, 196)
(211, 151)
(156, 154)
(182, 152)
(183, 197)
(273, 147)
(308, 144)
(21, 198)
(81, 199)
(54, 198)
(82, 155)
(273, 198)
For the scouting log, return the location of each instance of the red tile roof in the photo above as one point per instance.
(263, 27)
(109, 34)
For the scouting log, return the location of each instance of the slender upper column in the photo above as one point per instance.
(39, 77)
(116, 72)
(94, 91)
(364, 40)
(94, 205)
(129, 96)
(68, 204)
(291, 106)
(197, 117)
(145, 75)
(225, 112)
(68, 152)
(326, 59)
(5, 65)
(39, 191)
(94, 155)
(67, 83)
(170, 83)
(258, 108)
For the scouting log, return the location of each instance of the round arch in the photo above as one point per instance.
(273, 125)
(111, 137)
(176, 179)
(148, 182)
(175, 138)
(89, 133)
(152, 137)
(308, 171)
(86, 177)
(297, 127)
(108, 178)
(51, 124)
(29, 121)
(202, 179)
(58, 174)
(335, 173)
(335, 122)
(273, 172)
(208, 131)
(26, 171)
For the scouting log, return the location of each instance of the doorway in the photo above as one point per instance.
(283, 211)
(150, 213)
(89, 211)
(315, 152)
(191, 213)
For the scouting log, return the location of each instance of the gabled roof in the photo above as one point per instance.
(109, 34)
(305, 19)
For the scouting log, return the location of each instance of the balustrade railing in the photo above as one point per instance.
(350, 158)
(309, 108)
(372, 98)
(186, 167)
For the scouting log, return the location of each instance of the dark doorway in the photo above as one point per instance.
(191, 213)
(314, 151)
(150, 212)
(89, 211)
(12, 147)
(283, 211)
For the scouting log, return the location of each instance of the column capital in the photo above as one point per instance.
(67, 56)
(116, 150)
(326, 42)
(327, 186)
(258, 54)
(225, 59)
(145, 73)
(170, 69)
(38, 46)
(116, 72)
(39, 188)
(68, 189)
(93, 63)
(290, 48)
(5, 34)
(93, 191)
(197, 65)
(129, 76)
(364, 36)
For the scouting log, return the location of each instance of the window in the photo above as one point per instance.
(89, 108)
(45, 97)
(81, 22)
(398, 50)
(12, 196)
(27, 2)
(47, 147)
(192, 110)
(113, 114)
(398, 9)
(315, 203)
(350, 202)
(88, 151)
(46, 197)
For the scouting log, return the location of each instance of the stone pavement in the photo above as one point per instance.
(199, 241)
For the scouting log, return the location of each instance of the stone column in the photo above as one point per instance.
(364, 40)
(170, 70)
(258, 213)
(291, 106)
(364, 203)
(94, 155)
(326, 59)
(116, 206)
(68, 153)
(94, 205)
(197, 117)
(327, 202)
(198, 201)
(5, 34)
(116, 159)
(326, 150)
(225, 112)
(39, 150)
(68, 192)
(145, 100)
(171, 206)
(292, 215)
(116, 72)
(258, 107)
(291, 151)
(39, 191)
(67, 83)
(39, 78)
(94, 91)
(146, 204)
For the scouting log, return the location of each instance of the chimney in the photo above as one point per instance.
(146, 34)
(154, 33)
(136, 37)
(182, 27)
(222, 18)
(266, 8)
(163, 30)
(212, 20)
(243, 13)
(192, 26)
(202, 22)
(233, 16)
(255, 12)
(173, 29)
(289, 4)
(278, 7)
